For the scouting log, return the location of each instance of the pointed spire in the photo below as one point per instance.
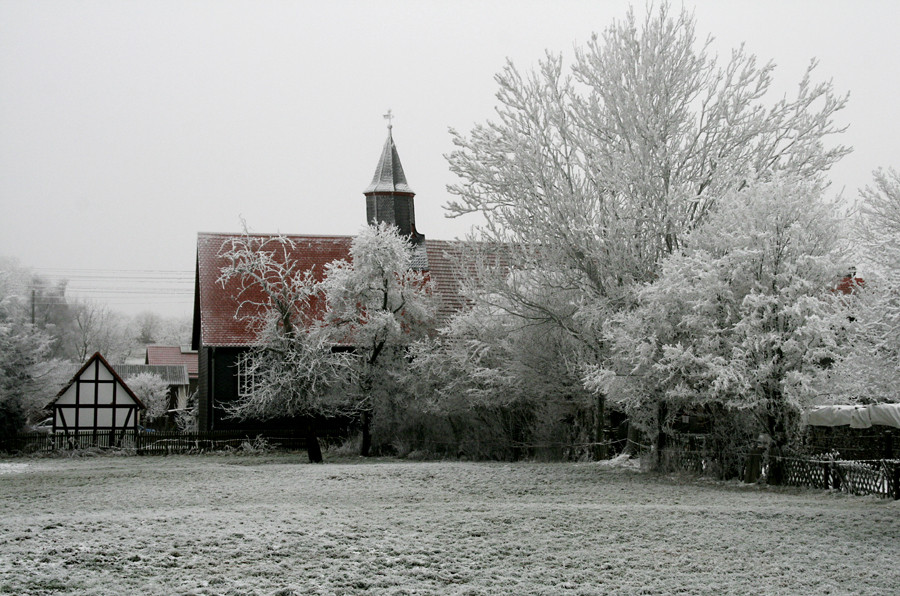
(389, 176)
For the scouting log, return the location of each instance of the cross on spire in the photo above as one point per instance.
(389, 117)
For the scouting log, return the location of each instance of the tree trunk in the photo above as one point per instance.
(365, 420)
(778, 437)
(661, 413)
(600, 448)
(776, 466)
(313, 450)
(515, 434)
(753, 468)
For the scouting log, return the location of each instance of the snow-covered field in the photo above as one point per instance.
(276, 525)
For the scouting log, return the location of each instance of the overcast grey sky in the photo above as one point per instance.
(127, 127)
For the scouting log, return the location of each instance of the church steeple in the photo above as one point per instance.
(389, 198)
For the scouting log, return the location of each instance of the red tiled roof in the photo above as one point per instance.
(848, 285)
(173, 356)
(444, 260)
(218, 304)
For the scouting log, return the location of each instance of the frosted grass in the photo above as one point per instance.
(276, 525)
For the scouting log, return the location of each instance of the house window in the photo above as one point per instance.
(247, 381)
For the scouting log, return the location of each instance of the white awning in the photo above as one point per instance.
(854, 416)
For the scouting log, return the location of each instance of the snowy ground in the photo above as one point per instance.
(275, 525)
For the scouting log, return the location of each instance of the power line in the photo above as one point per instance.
(175, 271)
(115, 275)
(124, 287)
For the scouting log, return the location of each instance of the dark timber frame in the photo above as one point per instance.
(96, 399)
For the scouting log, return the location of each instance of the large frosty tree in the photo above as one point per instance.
(599, 172)
(331, 346)
(378, 303)
(744, 318)
(592, 173)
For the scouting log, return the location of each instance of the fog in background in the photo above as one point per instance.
(127, 127)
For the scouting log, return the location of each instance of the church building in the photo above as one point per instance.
(220, 337)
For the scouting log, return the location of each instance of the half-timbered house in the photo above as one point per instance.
(95, 400)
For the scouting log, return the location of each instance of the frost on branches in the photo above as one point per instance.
(514, 375)
(332, 346)
(378, 304)
(744, 319)
(597, 171)
(29, 375)
(153, 392)
(597, 167)
(292, 367)
(870, 372)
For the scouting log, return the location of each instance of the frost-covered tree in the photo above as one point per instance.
(29, 375)
(49, 312)
(379, 304)
(148, 327)
(292, 367)
(613, 162)
(152, 390)
(744, 318)
(330, 346)
(591, 174)
(145, 326)
(870, 369)
(510, 373)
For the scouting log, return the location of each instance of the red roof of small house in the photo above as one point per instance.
(173, 356)
(849, 284)
(216, 304)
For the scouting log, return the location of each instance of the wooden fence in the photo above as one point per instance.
(879, 477)
(161, 442)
